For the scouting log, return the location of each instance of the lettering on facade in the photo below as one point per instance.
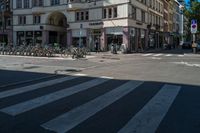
(96, 23)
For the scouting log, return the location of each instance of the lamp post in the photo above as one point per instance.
(181, 7)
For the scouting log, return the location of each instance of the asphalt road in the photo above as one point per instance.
(140, 93)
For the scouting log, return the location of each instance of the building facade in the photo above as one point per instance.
(136, 23)
(6, 21)
(156, 25)
(81, 22)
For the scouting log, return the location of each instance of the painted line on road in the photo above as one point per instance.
(156, 58)
(180, 55)
(156, 55)
(149, 117)
(80, 74)
(147, 54)
(168, 55)
(24, 89)
(40, 101)
(67, 121)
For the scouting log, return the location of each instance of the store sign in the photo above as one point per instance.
(96, 23)
(114, 30)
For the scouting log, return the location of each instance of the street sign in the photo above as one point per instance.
(194, 26)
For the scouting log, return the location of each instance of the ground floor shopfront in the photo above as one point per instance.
(6, 37)
(135, 39)
(132, 37)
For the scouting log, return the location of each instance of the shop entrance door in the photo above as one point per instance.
(53, 37)
(95, 36)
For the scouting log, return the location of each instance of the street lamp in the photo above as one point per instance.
(181, 8)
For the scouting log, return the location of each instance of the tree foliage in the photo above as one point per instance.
(193, 12)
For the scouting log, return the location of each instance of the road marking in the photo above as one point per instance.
(180, 55)
(156, 58)
(168, 55)
(156, 55)
(187, 64)
(146, 54)
(40, 101)
(80, 74)
(106, 77)
(34, 87)
(150, 116)
(67, 121)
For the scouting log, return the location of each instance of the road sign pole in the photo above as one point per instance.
(194, 47)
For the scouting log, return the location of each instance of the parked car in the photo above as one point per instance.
(187, 45)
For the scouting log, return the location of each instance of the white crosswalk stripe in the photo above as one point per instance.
(147, 54)
(40, 101)
(168, 55)
(149, 118)
(34, 86)
(156, 55)
(65, 122)
(162, 55)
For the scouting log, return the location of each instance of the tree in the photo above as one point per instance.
(193, 12)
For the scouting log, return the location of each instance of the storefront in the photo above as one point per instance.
(94, 37)
(132, 39)
(38, 37)
(152, 39)
(29, 37)
(114, 35)
(79, 36)
(142, 37)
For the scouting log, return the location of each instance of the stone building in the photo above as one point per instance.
(6, 21)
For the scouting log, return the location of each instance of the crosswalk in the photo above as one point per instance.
(162, 55)
(76, 103)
